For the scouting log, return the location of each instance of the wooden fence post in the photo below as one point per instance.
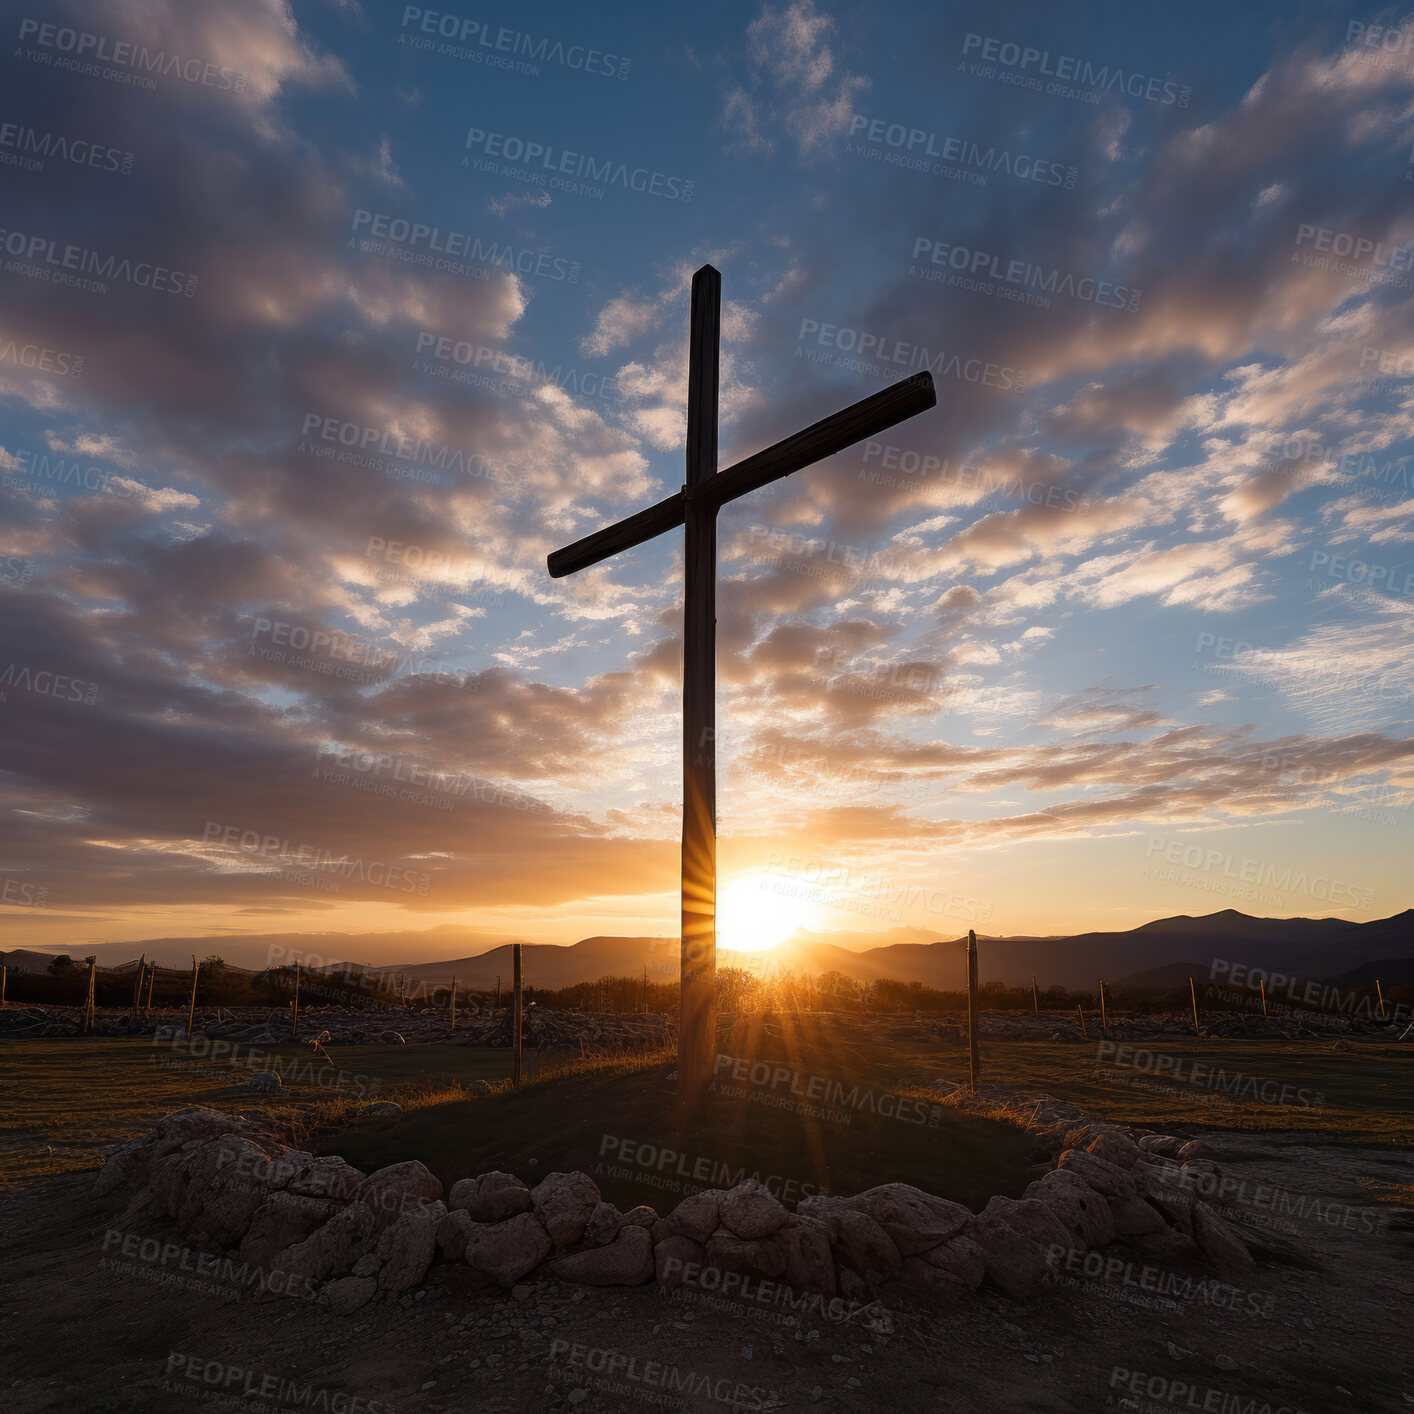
(1079, 1011)
(1193, 992)
(151, 980)
(1379, 992)
(1104, 1024)
(88, 1004)
(973, 1054)
(137, 991)
(1262, 981)
(294, 1019)
(3, 973)
(191, 1011)
(516, 979)
(1035, 1001)
(497, 1005)
(454, 1003)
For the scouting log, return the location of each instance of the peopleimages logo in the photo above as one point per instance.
(489, 44)
(580, 166)
(98, 48)
(431, 241)
(1038, 64)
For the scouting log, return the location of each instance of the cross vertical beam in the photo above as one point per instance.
(697, 1019)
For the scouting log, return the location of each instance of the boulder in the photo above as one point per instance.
(603, 1226)
(1218, 1240)
(1167, 1145)
(696, 1216)
(1166, 1190)
(673, 1256)
(1013, 1263)
(914, 1220)
(282, 1220)
(331, 1250)
(406, 1248)
(228, 1181)
(564, 1203)
(1133, 1217)
(125, 1165)
(385, 1112)
(730, 1253)
(751, 1210)
(625, 1261)
(452, 1234)
(195, 1122)
(492, 1198)
(347, 1294)
(328, 1176)
(1115, 1147)
(869, 1249)
(399, 1189)
(807, 1262)
(1034, 1219)
(1107, 1179)
(1084, 1212)
(509, 1250)
(952, 1268)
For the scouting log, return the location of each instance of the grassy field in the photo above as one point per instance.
(816, 1118)
(62, 1098)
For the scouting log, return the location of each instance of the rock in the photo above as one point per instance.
(751, 1210)
(1116, 1148)
(380, 1111)
(492, 1198)
(729, 1253)
(868, 1247)
(625, 1261)
(406, 1248)
(349, 1293)
(1218, 1239)
(1172, 1196)
(369, 1265)
(1133, 1217)
(396, 1190)
(1034, 1219)
(696, 1216)
(1083, 1211)
(121, 1167)
(508, 1250)
(327, 1177)
(1196, 1149)
(1013, 1263)
(452, 1234)
(265, 1080)
(282, 1220)
(1107, 1179)
(331, 1250)
(603, 1225)
(807, 1261)
(672, 1257)
(1167, 1145)
(564, 1203)
(914, 1220)
(959, 1259)
(228, 1180)
(195, 1122)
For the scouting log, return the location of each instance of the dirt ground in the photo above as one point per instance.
(1322, 1325)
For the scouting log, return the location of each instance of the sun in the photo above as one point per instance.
(751, 916)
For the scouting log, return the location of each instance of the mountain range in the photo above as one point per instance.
(1154, 956)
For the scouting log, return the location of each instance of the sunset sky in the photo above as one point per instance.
(319, 336)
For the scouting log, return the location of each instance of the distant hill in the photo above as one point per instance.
(1158, 954)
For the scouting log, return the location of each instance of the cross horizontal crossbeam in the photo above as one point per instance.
(822, 439)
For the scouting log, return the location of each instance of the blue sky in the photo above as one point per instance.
(1118, 630)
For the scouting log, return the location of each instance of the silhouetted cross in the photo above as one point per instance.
(695, 508)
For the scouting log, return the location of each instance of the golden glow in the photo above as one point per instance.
(753, 913)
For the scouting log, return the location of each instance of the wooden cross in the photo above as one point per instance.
(695, 508)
